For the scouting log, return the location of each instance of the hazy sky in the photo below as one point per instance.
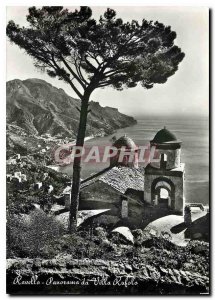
(186, 92)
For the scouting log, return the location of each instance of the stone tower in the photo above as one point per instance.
(130, 150)
(164, 180)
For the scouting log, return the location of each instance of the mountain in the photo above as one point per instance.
(39, 108)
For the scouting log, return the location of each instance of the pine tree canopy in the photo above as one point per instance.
(90, 54)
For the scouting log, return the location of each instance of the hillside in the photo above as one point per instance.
(40, 108)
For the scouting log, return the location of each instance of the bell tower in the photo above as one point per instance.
(164, 178)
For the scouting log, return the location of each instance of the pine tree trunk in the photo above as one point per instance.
(77, 165)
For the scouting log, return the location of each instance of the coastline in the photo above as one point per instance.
(56, 167)
(194, 135)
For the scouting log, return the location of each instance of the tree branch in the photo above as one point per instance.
(68, 80)
(102, 84)
(78, 109)
(111, 73)
(78, 69)
(94, 57)
(73, 73)
(89, 64)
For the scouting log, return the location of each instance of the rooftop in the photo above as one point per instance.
(120, 178)
(125, 141)
(164, 136)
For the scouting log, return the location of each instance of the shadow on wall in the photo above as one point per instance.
(197, 230)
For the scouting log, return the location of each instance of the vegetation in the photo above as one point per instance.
(32, 236)
(21, 197)
(41, 236)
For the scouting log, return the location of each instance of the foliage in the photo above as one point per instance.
(42, 236)
(21, 197)
(33, 237)
(160, 253)
(82, 245)
(21, 204)
(159, 243)
(199, 247)
(89, 54)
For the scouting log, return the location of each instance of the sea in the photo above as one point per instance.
(192, 131)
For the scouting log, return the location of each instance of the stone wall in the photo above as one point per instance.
(70, 276)
(101, 196)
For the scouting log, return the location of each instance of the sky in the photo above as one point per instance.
(185, 93)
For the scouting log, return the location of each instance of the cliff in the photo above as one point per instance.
(39, 108)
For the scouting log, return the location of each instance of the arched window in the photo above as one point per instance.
(164, 193)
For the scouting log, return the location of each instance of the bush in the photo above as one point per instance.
(138, 236)
(160, 243)
(20, 204)
(84, 245)
(199, 247)
(40, 235)
(33, 237)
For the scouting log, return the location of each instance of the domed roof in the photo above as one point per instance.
(164, 136)
(125, 141)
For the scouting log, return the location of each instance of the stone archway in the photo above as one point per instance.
(163, 183)
(163, 196)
